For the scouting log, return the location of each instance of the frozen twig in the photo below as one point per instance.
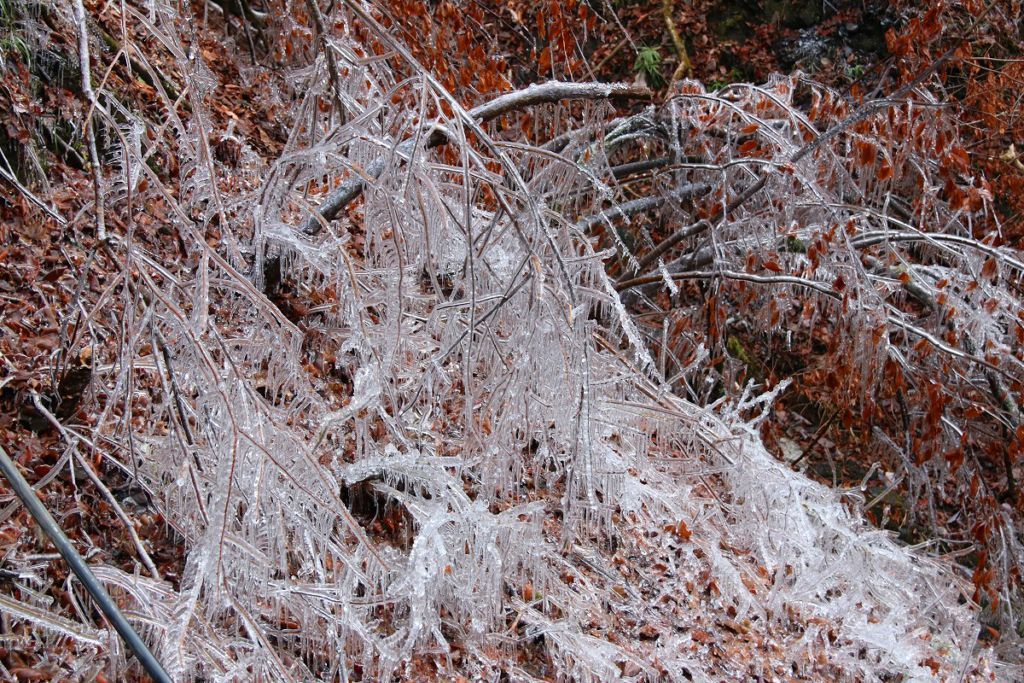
(332, 62)
(8, 175)
(129, 526)
(90, 129)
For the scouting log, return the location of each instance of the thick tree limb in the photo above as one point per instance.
(636, 206)
(820, 287)
(684, 68)
(638, 167)
(554, 91)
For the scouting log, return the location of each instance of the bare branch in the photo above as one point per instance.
(90, 129)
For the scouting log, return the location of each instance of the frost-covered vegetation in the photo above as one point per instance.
(396, 388)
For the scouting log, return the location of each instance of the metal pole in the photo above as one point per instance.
(81, 569)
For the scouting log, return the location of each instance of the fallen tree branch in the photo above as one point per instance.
(555, 91)
(819, 287)
(637, 206)
(543, 93)
(637, 167)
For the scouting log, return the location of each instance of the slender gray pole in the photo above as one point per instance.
(81, 569)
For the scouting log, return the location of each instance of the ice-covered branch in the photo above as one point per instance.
(544, 93)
